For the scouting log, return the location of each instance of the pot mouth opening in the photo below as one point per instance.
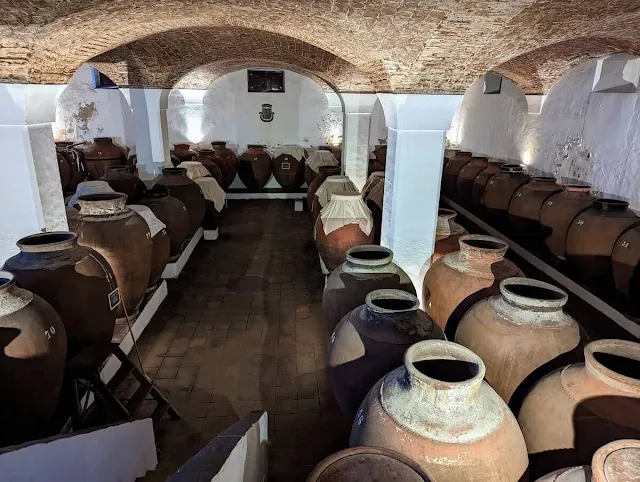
(615, 361)
(444, 212)
(622, 365)
(605, 204)
(173, 170)
(206, 149)
(483, 242)
(393, 304)
(530, 291)
(549, 179)
(50, 240)
(369, 253)
(7, 279)
(388, 301)
(255, 146)
(102, 139)
(578, 187)
(534, 292)
(106, 196)
(447, 370)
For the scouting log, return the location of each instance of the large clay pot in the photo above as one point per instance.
(333, 246)
(121, 180)
(367, 268)
(324, 172)
(518, 331)
(323, 194)
(161, 248)
(103, 153)
(450, 173)
(255, 167)
(573, 411)
(227, 161)
(317, 159)
(288, 171)
(206, 158)
(368, 464)
(466, 178)
(34, 347)
(370, 341)
(372, 181)
(592, 236)
(76, 280)
(558, 211)
(75, 160)
(122, 237)
(480, 183)
(437, 410)
(185, 190)
(525, 205)
(380, 163)
(498, 193)
(183, 153)
(448, 234)
(173, 213)
(375, 202)
(625, 263)
(458, 280)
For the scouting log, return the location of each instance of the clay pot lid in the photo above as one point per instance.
(533, 294)
(367, 464)
(617, 461)
(616, 363)
(47, 242)
(370, 255)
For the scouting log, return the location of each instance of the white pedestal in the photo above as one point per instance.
(266, 195)
(112, 365)
(210, 234)
(172, 270)
(298, 206)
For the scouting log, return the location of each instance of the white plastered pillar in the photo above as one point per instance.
(30, 187)
(357, 109)
(149, 114)
(417, 126)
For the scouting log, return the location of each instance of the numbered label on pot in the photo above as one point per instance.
(333, 337)
(549, 203)
(285, 166)
(360, 417)
(518, 194)
(580, 222)
(114, 299)
(624, 244)
(49, 332)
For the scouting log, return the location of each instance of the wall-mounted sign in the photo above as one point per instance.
(266, 114)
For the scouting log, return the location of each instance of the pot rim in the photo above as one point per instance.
(575, 187)
(610, 204)
(556, 302)
(544, 179)
(103, 139)
(447, 214)
(66, 240)
(7, 279)
(599, 460)
(391, 294)
(174, 170)
(623, 348)
(352, 255)
(498, 249)
(219, 143)
(337, 178)
(101, 204)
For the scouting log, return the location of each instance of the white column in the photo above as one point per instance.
(30, 187)
(149, 113)
(415, 147)
(355, 146)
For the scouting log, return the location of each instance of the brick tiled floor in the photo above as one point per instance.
(220, 353)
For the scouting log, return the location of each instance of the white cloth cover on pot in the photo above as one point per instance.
(331, 185)
(212, 191)
(291, 150)
(321, 158)
(194, 169)
(89, 187)
(374, 178)
(346, 208)
(155, 225)
(376, 194)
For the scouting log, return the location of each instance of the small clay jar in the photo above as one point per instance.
(188, 192)
(450, 173)
(255, 167)
(592, 236)
(575, 410)
(467, 176)
(121, 180)
(227, 161)
(370, 341)
(182, 153)
(557, 213)
(103, 153)
(366, 269)
(480, 183)
(173, 213)
(498, 193)
(448, 233)
(437, 410)
(323, 173)
(524, 208)
(518, 331)
(369, 464)
(458, 280)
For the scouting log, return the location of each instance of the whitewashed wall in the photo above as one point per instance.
(378, 127)
(83, 112)
(594, 137)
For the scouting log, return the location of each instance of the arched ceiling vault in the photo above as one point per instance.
(419, 46)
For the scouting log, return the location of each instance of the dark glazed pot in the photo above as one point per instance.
(288, 171)
(122, 237)
(65, 171)
(369, 464)
(380, 163)
(480, 183)
(574, 411)
(625, 263)
(466, 177)
(34, 347)
(173, 213)
(206, 158)
(592, 236)
(75, 160)
(103, 153)
(518, 331)
(525, 205)
(182, 153)
(437, 410)
(498, 193)
(366, 269)
(159, 257)
(450, 173)
(323, 174)
(375, 202)
(558, 211)
(255, 167)
(121, 180)
(458, 280)
(227, 161)
(188, 192)
(370, 341)
(75, 280)
(448, 234)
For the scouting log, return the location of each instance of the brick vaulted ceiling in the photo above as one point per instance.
(353, 45)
